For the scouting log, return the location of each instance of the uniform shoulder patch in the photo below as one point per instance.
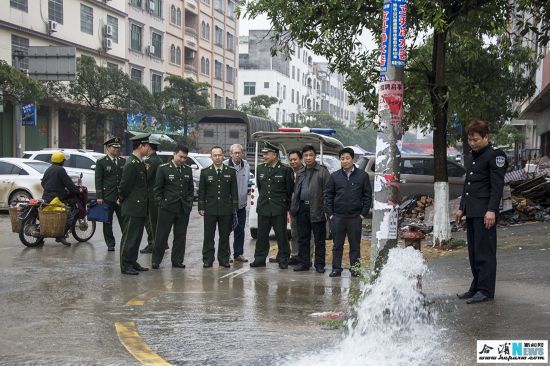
(165, 164)
(500, 161)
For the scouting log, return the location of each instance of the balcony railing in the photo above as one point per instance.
(191, 32)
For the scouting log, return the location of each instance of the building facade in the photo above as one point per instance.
(148, 39)
(301, 84)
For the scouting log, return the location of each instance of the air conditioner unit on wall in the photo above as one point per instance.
(150, 50)
(107, 44)
(53, 26)
(108, 30)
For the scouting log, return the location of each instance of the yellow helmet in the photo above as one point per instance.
(58, 157)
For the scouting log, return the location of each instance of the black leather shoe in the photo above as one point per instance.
(335, 274)
(111, 249)
(319, 269)
(178, 265)
(467, 295)
(141, 269)
(301, 268)
(257, 264)
(478, 297)
(207, 265)
(63, 241)
(293, 261)
(146, 250)
(130, 271)
(283, 265)
(225, 265)
(155, 265)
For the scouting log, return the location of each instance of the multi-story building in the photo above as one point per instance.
(300, 84)
(148, 39)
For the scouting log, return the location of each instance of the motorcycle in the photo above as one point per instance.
(81, 229)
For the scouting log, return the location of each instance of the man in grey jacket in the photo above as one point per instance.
(308, 207)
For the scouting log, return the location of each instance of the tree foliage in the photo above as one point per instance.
(259, 105)
(18, 86)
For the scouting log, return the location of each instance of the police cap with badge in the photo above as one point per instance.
(270, 147)
(141, 137)
(114, 142)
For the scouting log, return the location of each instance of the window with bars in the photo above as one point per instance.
(20, 4)
(86, 19)
(217, 101)
(157, 11)
(136, 3)
(135, 37)
(229, 74)
(229, 105)
(135, 74)
(205, 66)
(173, 15)
(218, 5)
(205, 30)
(230, 8)
(55, 10)
(113, 22)
(218, 70)
(156, 83)
(19, 51)
(178, 17)
(156, 41)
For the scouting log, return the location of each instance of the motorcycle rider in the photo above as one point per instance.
(57, 183)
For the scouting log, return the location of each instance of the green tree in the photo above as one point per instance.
(331, 29)
(259, 105)
(180, 100)
(17, 86)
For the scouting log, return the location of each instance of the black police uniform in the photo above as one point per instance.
(174, 192)
(482, 193)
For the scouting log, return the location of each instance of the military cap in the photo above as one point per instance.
(114, 142)
(141, 137)
(154, 140)
(270, 147)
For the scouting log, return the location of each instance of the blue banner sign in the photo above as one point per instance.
(28, 114)
(398, 32)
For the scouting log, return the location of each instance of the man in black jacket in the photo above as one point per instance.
(57, 183)
(480, 203)
(348, 197)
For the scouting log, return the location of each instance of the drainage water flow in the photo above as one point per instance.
(393, 326)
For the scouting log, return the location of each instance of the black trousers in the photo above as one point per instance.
(482, 251)
(132, 232)
(342, 226)
(305, 227)
(278, 223)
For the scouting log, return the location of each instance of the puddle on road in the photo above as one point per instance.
(393, 325)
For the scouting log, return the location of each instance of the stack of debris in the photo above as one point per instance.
(537, 190)
(413, 209)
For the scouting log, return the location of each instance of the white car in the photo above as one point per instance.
(287, 141)
(20, 179)
(194, 160)
(82, 161)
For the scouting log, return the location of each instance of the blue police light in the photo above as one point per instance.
(323, 131)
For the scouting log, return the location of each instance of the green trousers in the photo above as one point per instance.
(278, 223)
(132, 232)
(224, 223)
(167, 220)
(108, 226)
(151, 223)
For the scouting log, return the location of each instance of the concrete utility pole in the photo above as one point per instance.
(388, 143)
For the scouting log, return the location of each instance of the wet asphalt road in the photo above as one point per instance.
(61, 305)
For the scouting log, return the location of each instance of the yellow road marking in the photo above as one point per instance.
(140, 299)
(130, 339)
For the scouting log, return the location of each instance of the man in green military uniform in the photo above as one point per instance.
(275, 185)
(218, 200)
(132, 194)
(108, 172)
(151, 163)
(174, 192)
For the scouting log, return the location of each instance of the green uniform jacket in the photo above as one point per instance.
(152, 163)
(107, 177)
(218, 195)
(275, 186)
(174, 188)
(133, 188)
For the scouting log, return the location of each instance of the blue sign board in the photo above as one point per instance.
(386, 34)
(144, 122)
(28, 114)
(398, 32)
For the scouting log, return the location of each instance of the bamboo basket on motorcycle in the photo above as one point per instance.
(53, 219)
(14, 218)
